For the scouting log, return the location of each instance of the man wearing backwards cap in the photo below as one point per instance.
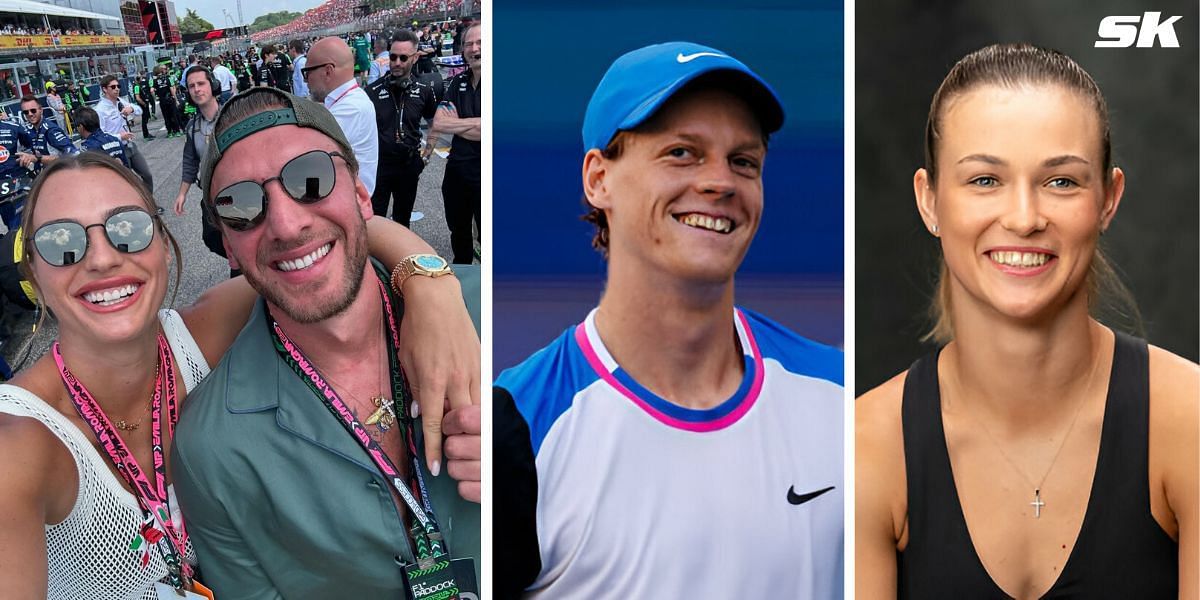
(300, 464)
(684, 447)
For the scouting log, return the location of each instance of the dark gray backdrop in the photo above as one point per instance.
(903, 49)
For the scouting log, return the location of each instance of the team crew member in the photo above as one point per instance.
(94, 139)
(48, 140)
(429, 44)
(400, 103)
(13, 137)
(144, 96)
(361, 45)
(685, 448)
(461, 191)
(113, 121)
(246, 73)
(264, 61)
(164, 89)
(277, 69)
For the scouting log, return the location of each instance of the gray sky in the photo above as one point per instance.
(251, 9)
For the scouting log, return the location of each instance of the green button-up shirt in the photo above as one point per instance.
(279, 500)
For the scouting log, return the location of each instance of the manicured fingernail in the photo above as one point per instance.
(435, 468)
(416, 410)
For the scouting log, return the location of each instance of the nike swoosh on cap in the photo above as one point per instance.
(799, 499)
(687, 58)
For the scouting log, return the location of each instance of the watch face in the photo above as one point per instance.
(430, 263)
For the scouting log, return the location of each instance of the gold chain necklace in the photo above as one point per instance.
(124, 425)
(384, 416)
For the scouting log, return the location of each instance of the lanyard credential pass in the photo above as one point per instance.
(433, 559)
(152, 498)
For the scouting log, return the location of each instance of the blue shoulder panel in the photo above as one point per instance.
(544, 385)
(797, 354)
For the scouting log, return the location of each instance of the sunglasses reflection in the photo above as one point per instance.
(65, 242)
(306, 179)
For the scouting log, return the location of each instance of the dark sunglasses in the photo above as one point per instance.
(30, 111)
(399, 57)
(65, 242)
(306, 70)
(307, 178)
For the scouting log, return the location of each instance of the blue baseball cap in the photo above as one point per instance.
(639, 82)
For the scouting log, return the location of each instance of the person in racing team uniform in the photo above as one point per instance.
(246, 73)
(276, 69)
(164, 89)
(12, 137)
(96, 140)
(49, 141)
(400, 103)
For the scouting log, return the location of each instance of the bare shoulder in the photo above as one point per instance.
(877, 412)
(1174, 392)
(37, 464)
(879, 454)
(881, 501)
(1174, 437)
(34, 466)
(36, 471)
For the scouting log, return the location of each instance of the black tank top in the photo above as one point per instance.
(1121, 552)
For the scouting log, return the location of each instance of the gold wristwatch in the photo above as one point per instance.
(429, 265)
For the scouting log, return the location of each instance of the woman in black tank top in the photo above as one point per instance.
(1037, 454)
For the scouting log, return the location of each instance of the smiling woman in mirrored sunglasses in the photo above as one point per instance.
(88, 508)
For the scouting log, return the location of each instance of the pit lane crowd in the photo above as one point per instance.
(384, 87)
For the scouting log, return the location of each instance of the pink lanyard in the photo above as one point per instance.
(153, 500)
(343, 94)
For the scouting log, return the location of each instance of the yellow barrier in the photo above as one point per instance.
(61, 41)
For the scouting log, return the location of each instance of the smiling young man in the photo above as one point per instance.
(683, 446)
(48, 140)
(300, 464)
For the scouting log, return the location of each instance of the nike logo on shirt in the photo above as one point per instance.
(798, 499)
(687, 58)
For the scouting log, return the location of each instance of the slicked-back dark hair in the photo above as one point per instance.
(1013, 65)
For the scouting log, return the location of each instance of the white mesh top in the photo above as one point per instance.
(88, 554)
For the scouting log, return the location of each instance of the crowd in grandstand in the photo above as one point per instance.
(11, 29)
(164, 90)
(334, 13)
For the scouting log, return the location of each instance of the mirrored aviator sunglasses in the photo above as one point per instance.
(65, 242)
(307, 179)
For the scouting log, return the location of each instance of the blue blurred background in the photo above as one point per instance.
(549, 57)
